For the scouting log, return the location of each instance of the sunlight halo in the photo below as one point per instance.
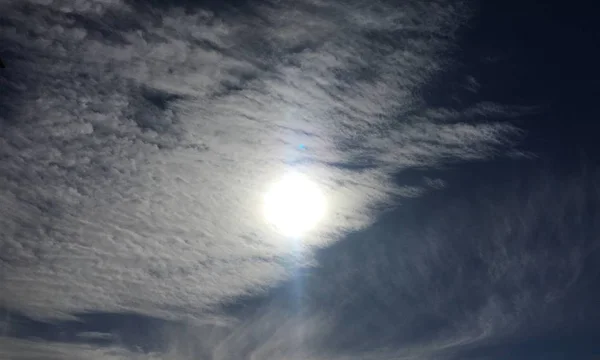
(294, 204)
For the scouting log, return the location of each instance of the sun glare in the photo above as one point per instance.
(294, 205)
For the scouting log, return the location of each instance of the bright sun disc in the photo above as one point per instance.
(294, 205)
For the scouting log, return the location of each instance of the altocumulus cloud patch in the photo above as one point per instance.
(136, 140)
(405, 290)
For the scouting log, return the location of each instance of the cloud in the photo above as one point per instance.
(34, 350)
(452, 275)
(136, 140)
(475, 274)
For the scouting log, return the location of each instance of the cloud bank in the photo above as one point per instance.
(424, 283)
(137, 138)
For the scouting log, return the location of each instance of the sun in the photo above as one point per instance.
(294, 204)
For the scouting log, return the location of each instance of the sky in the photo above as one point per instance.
(454, 142)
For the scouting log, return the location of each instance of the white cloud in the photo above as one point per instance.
(14, 349)
(114, 203)
(434, 291)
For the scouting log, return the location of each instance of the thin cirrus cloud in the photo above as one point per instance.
(137, 138)
(438, 292)
(31, 349)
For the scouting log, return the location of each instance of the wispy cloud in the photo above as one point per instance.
(34, 350)
(136, 140)
(404, 290)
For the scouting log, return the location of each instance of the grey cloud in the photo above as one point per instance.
(34, 350)
(136, 143)
(423, 283)
(427, 282)
(95, 335)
